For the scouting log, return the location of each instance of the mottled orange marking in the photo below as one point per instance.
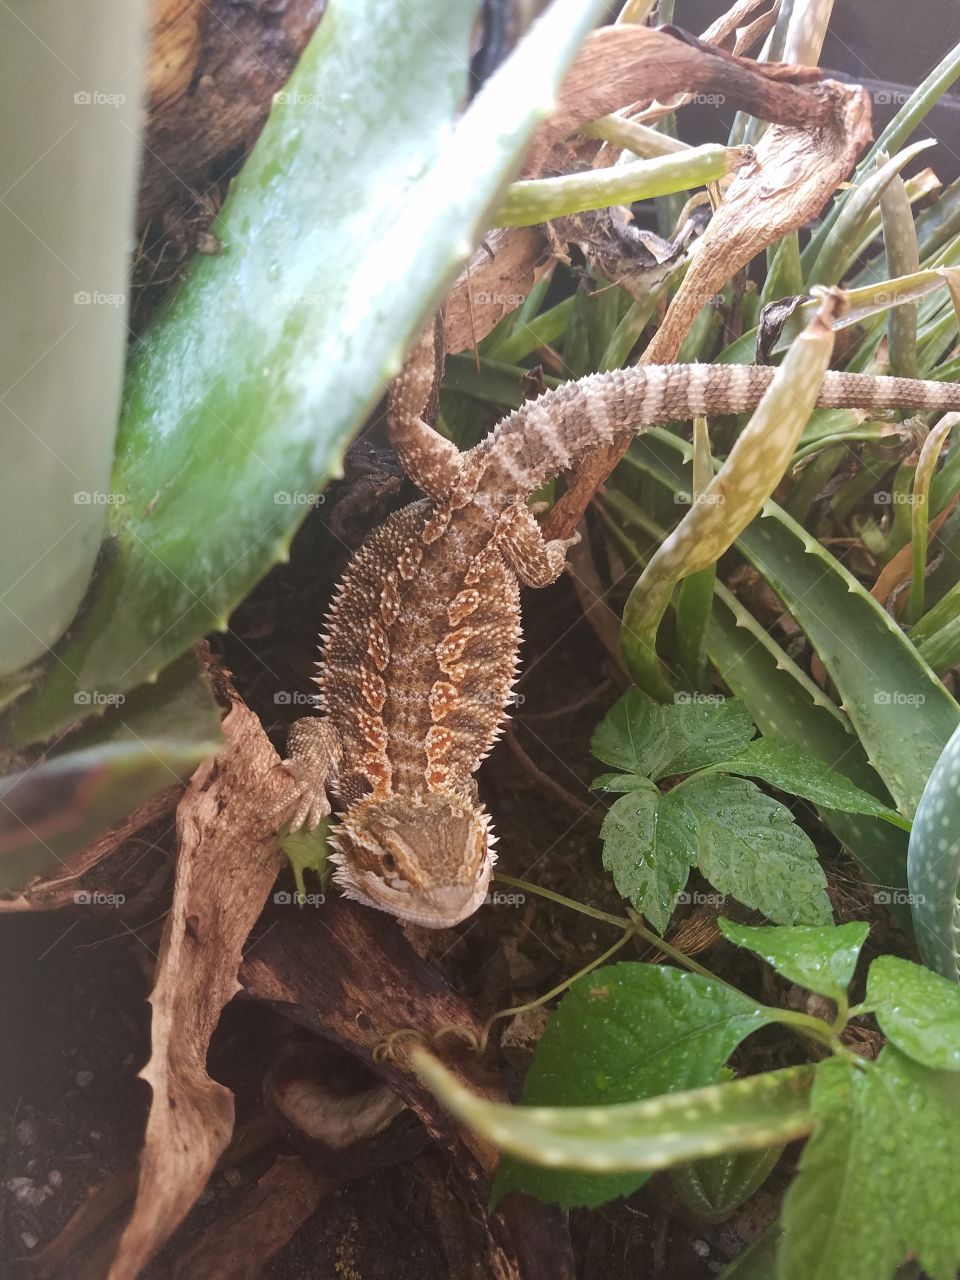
(390, 599)
(443, 699)
(372, 689)
(451, 647)
(378, 647)
(462, 605)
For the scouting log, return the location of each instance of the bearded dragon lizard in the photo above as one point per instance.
(420, 648)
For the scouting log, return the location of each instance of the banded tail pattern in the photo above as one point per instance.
(551, 434)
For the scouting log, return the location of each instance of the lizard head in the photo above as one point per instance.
(426, 859)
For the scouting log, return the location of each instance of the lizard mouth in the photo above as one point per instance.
(439, 908)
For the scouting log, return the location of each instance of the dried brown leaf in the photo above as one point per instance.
(794, 173)
(228, 860)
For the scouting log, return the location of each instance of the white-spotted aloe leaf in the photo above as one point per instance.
(820, 959)
(626, 1032)
(157, 734)
(933, 865)
(749, 475)
(743, 1115)
(361, 200)
(879, 1179)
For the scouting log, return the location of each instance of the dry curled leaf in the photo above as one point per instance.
(228, 859)
(793, 174)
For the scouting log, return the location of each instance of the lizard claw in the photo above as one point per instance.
(305, 804)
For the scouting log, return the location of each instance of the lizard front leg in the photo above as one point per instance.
(535, 561)
(313, 763)
(432, 463)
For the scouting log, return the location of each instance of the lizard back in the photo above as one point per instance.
(419, 655)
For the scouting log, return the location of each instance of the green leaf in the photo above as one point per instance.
(146, 741)
(917, 1010)
(820, 959)
(643, 736)
(642, 1136)
(649, 846)
(880, 1177)
(714, 1188)
(702, 729)
(789, 767)
(624, 1032)
(619, 782)
(358, 205)
(751, 849)
(632, 736)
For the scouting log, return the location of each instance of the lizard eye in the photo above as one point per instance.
(389, 863)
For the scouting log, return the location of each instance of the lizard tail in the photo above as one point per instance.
(548, 436)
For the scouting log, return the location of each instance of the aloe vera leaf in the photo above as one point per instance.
(539, 331)
(70, 113)
(902, 713)
(695, 598)
(942, 649)
(639, 138)
(921, 101)
(359, 203)
(903, 259)
(494, 383)
(784, 278)
(740, 1115)
(540, 199)
(920, 511)
(142, 743)
(713, 1188)
(835, 254)
(933, 865)
(864, 304)
(750, 474)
